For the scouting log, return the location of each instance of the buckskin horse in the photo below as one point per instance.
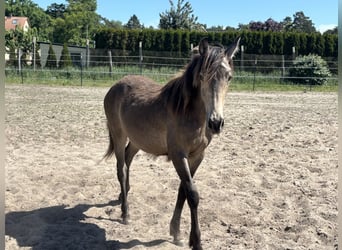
(178, 120)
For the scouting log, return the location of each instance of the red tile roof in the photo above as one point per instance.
(12, 21)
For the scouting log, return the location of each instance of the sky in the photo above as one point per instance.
(324, 14)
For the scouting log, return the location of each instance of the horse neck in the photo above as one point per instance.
(183, 97)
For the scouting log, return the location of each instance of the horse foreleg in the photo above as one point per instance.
(192, 196)
(175, 221)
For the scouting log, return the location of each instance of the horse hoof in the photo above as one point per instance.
(125, 221)
(178, 243)
(197, 248)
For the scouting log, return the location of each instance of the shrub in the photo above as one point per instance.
(51, 61)
(309, 70)
(65, 60)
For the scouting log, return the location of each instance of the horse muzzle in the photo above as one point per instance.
(216, 125)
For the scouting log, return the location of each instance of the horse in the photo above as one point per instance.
(177, 120)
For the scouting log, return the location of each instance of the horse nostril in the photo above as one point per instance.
(215, 125)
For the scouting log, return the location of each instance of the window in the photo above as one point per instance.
(15, 21)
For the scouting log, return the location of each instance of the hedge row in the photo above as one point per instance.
(255, 42)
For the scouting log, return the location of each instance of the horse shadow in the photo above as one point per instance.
(59, 227)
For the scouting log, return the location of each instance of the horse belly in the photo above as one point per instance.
(146, 131)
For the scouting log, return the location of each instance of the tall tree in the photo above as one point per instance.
(268, 25)
(179, 17)
(56, 10)
(51, 61)
(133, 23)
(302, 23)
(110, 23)
(287, 23)
(65, 60)
(80, 23)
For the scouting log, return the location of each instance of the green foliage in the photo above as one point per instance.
(133, 23)
(51, 61)
(302, 23)
(79, 23)
(12, 57)
(255, 42)
(179, 17)
(37, 17)
(65, 60)
(56, 10)
(309, 70)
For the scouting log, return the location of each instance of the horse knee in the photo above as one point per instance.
(193, 197)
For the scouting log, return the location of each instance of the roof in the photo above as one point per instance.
(11, 22)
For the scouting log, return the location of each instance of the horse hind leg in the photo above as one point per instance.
(130, 152)
(119, 143)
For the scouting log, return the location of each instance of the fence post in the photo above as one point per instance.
(140, 57)
(34, 53)
(81, 70)
(20, 66)
(110, 63)
(19, 60)
(293, 52)
(283, 67)
(87, 54)
(242, 64)
(255, 68)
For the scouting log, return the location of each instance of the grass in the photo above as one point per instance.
(101, 76)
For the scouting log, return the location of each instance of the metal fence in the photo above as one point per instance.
(103, 67)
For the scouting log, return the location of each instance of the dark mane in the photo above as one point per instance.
(181, 90)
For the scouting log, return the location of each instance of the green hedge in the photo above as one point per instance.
(255, 42)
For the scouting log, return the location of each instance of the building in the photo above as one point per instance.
(79, 55)
(12, 22)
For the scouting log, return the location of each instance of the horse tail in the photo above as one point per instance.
(110, 149)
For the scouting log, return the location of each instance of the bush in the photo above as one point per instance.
(51, 61)
(309, 70)
(65, 60)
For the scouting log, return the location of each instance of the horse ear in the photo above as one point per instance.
(233, 49)
(203, 46)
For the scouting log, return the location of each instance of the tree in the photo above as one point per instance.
(56, 10)
(287, 24)
(179, 17)
(18, 39)
(302, 23)
(271, 25)
(65, 60)
(110, 23)
(80, 23)
(133, 23)
(51, 61)
(268, 25)
(331, 31)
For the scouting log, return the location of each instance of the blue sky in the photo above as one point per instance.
(324, 14)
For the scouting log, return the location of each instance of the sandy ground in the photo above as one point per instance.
(269, 181)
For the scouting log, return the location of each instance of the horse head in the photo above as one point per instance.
(215, 75)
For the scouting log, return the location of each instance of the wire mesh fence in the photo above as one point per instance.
(97, 67)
